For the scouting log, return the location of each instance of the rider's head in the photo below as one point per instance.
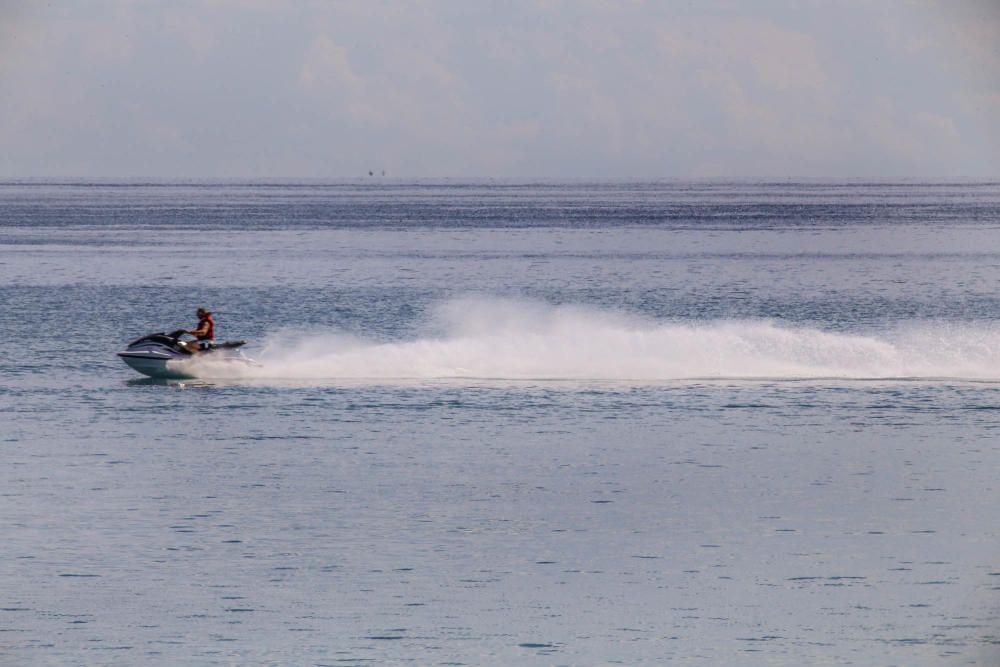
(202, 312)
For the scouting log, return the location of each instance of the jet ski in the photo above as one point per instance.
(165, 356)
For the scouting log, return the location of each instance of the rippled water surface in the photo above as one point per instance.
(503, 423)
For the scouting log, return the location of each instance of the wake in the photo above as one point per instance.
(514, 340)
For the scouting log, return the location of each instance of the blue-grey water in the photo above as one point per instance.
(501, 423)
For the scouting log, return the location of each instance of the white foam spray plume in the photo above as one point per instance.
(512, 340)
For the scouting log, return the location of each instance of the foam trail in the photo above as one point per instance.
(513, 340)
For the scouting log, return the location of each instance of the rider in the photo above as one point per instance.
(205, 333)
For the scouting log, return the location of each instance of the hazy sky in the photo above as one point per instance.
(605, 88)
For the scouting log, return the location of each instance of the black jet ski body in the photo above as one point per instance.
(162, 355)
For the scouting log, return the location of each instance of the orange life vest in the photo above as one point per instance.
(210, 333)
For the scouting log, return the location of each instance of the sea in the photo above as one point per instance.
(503, 422)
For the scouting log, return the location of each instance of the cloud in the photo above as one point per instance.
(326, 65)
(775, 57)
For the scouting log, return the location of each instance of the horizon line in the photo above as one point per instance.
(374, 178)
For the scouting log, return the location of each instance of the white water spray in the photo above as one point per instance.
(513, 340)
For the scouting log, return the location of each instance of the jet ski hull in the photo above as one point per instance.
(164, 368)
(161, 356)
